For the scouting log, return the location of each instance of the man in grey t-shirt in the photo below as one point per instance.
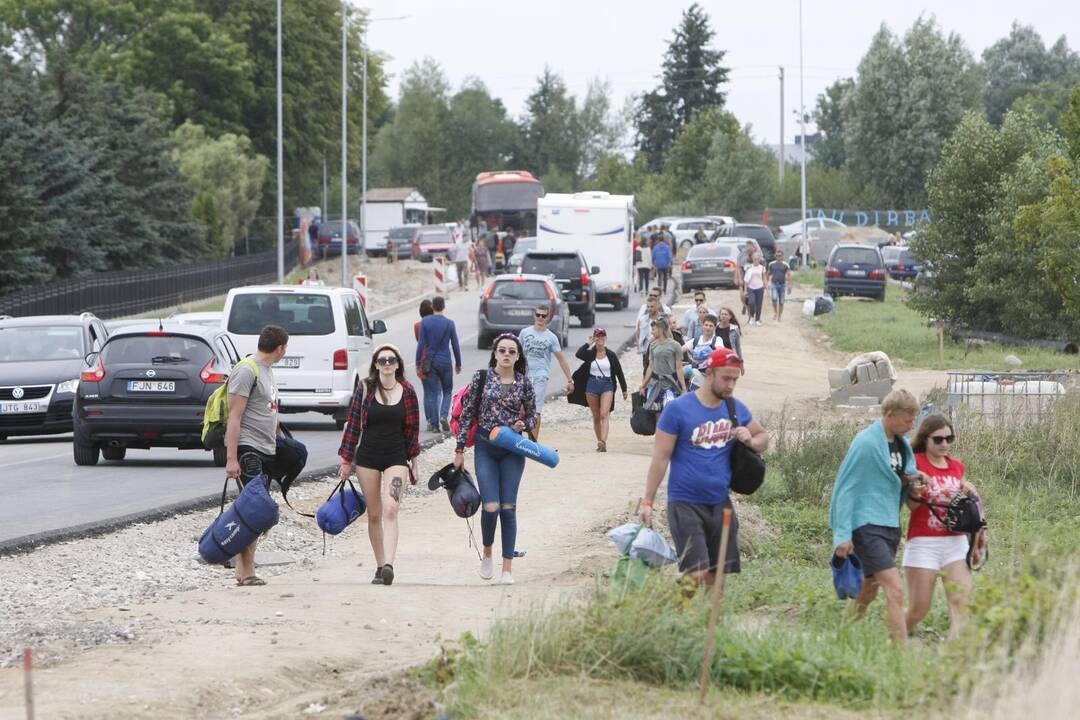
(251, 433)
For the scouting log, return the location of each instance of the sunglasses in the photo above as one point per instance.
(540, 315)
(506, 351)
(386, 361)
(938, 439)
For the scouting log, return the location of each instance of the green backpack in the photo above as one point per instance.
(216, 414)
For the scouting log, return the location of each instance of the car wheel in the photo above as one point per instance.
(221, 456)
(880, 297)
(83, 449)
(113, 453)
(587, 321)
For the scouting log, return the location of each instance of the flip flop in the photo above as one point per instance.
(251, 581)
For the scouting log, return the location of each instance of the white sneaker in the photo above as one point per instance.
(507, 578)
(487, 568)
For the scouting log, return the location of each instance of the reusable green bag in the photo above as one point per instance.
(630, 572)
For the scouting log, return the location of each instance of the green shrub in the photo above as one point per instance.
(807, 457)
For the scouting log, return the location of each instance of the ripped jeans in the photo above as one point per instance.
(498, 473)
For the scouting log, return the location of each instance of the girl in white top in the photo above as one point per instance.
(754, 276)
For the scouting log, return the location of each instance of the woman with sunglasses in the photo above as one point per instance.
(594, 383)
(384, 420)
(500, 394)
(932, 551)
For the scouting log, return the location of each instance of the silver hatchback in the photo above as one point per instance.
(508, 304)
(710, 265)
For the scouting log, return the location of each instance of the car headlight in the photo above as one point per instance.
(68, 386)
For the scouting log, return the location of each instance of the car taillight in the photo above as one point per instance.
(93, 374)
(833, 272)
(876, 275)
(341, 359)
(730, 264)
(901, 266)
(686, 267)
(211, 374)
(584, 278)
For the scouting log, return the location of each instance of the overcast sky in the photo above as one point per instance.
(506, 43)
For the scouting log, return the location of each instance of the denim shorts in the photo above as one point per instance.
(777, 293)
(599, 385)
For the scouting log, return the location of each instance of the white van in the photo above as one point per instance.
(330, 342)
(600, 226)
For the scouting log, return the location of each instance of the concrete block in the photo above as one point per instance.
(884, 370)
(865, 373)
(863, 400)
(876, 388)
(839, 377)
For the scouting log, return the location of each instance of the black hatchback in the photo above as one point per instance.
(148, 387)
(573, 277)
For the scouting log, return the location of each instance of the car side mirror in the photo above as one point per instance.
(594, 270)
(378, 327)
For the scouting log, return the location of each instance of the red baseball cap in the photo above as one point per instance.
(722, 357)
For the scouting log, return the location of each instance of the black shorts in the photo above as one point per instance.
(379, 460)
(283, 464)
(696, 531)
(876, 547)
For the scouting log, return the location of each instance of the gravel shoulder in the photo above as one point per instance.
(132, 625)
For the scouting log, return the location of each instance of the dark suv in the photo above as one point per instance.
(571, 274)
(148, 387)
(40, 360)
(855, 270)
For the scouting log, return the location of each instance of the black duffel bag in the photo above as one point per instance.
(643, 422)
(747, 466)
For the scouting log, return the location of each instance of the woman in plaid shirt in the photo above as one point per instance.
(385, 419)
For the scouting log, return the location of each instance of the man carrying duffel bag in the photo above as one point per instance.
(251, 433)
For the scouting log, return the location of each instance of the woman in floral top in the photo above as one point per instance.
(506, 398)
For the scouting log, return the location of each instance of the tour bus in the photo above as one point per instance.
(505, 199)
(599, 225)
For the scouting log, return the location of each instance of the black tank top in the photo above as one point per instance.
(384, 433)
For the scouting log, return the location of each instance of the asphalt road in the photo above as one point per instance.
(43, 491)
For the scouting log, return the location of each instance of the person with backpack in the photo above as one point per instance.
(500, 394)
(695, 436)
(594, 383)
(729, 331)
(931, 550)
(438, 336)
(381, 443)
(251, 432)
(877, 473)
(706, 338)
(661, 259)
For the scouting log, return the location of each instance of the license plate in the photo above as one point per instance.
(519, 312)
(12, 408)
(151, 386)
(288, 362)
(706, 265)
(856, 273)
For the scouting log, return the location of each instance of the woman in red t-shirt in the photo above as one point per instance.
(931, 550)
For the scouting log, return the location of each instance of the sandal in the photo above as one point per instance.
(251, 581)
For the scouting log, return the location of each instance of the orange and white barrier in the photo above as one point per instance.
(440, 275)
(359, 283)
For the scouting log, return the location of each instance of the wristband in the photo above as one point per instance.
(646, 503)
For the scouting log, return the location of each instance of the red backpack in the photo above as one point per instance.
(457, 402)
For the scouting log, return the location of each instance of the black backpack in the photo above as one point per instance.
(747, 466)
(460, 488)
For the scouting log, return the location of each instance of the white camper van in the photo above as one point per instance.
(599, 225)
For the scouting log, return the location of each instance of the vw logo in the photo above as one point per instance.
(151, 373)
(17, 393)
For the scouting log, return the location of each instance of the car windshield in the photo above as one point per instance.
(519, 290)
(156, 350)
(435, 238)
(562, 266)
(508, 196)
(890, 254)
(401, 232)
(298, 313)
(861, 256)
(712, 251)
(32, 343)
(908, 258)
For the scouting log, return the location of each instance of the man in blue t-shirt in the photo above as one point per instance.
(694, 435)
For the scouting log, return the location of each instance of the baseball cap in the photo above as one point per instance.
(599, 332)
(721, 357)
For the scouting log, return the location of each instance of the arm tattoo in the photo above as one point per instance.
(395, 488)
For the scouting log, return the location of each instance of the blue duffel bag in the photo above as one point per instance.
(251, 514)
(340, 509)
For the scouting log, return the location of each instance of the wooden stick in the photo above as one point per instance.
(718, 593)
(28, 665)
(941, 341)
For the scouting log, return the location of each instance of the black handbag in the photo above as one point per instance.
(747, 466)
(643, 422)
(962, 515)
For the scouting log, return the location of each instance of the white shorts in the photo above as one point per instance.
(540, 390)
(935, 552)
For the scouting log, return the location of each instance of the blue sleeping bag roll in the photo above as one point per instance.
(340, 509)
(506, 438)
(251, 514)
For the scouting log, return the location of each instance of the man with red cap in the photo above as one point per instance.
(694, 435)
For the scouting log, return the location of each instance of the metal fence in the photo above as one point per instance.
(120, 293)
(1004, 398)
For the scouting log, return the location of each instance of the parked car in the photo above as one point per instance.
(710, 265)
(148, 387)
(210, 319)
(761, 233)
(685, 231)
(855, 270)
(522, 246)
(330, 237)
(813, 226)
(722, 219)
(900, 262)
(40, 360)
(432, 240)
(573, 277)
(330, 342)
(508, 304)
(402, 238)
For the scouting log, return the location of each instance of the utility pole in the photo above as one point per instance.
(323, 218)
(344, 147)
(783, 160)
(363, 158)
(280, 171)
(804, 243)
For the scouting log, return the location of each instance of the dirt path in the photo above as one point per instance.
(312, 638)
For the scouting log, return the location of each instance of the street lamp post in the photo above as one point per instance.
(804, 243)
(344, 146)
(280, 171)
